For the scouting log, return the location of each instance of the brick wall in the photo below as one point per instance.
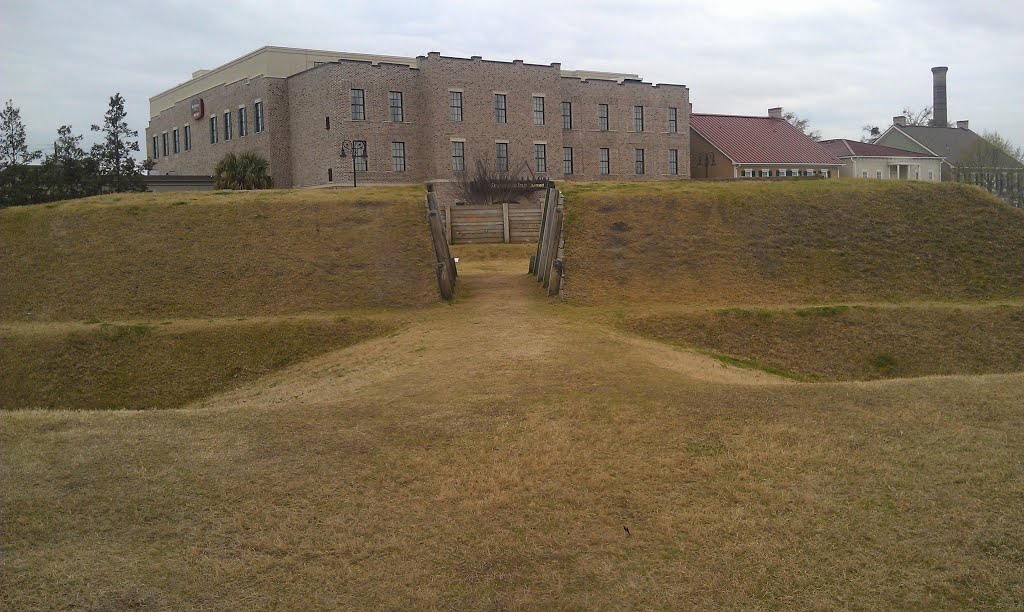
(301, 149)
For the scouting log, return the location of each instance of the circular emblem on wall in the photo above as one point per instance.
(197, 108)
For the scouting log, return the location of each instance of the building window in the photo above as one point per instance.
(605, 159)
(164, 144)
(878, 174)
(243, 121)
(327, 123)
(566, 115)
(395, 104)
(540, 155)
(330, 175)
(748, 173)
(538, 110)
(259, 117)
(567, 160)
(865, 173)
(213, 130)
(638, 118)
(602, 117)
(156, 148)
(458, 156)
(398, 156)
(931, 175)
(361, 155)
(673, 125)
(455, 105)
(826, 173)
(810, 172)
(500, 108)
(227, 125)
(765, 173)
(501, 150)
(175, 142)
(188, 138)
(673, 162)
(639, 161)
(358, 105)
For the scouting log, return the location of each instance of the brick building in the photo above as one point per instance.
(419, 118)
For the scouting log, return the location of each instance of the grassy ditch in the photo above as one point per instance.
(851, 343)
(149, 367)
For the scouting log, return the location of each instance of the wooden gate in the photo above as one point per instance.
(493, 223)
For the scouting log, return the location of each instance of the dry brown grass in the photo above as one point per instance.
(490, 456)
(852, 343)
(142, 367)
(216, 254)
(778, 243)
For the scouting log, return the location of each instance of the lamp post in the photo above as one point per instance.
(707, 160)
(358, 149)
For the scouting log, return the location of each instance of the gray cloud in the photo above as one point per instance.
(839, 64)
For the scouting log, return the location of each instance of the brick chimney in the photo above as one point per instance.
(963, 125)
(899, 120)
(775, 113)
(940, 116)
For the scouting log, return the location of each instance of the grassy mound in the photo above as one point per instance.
(809, 241)
(215, 254)
(112, 367)
(852, 343)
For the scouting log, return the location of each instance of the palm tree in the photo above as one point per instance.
(245, 171)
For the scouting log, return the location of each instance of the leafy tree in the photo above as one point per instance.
(1002, 143)
(802, 124)
(117, 167)
(13, 144)
(69, 172)
(20, 183)
(245, 171)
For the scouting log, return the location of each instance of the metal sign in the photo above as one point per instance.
(197, 108)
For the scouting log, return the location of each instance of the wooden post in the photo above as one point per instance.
(504, 220)
(448, 223)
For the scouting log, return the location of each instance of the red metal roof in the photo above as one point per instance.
(761, 140)
(842, 147)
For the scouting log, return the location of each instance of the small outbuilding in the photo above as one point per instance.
(866, 160)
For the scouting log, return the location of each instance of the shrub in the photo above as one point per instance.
(245, 171)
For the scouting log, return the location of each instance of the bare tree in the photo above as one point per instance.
(485, 184)
(802, 124)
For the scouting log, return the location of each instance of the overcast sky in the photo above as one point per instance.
(839, 64)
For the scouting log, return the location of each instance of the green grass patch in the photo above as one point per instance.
(845, 343)
(115, 367)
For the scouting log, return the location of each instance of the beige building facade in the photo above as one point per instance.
(419, 119)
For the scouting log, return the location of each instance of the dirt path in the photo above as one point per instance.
(500, 336)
